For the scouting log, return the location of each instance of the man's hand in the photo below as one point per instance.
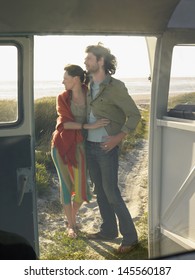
(112, 141)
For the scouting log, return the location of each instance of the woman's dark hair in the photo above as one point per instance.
(100, 51)
(75, 70)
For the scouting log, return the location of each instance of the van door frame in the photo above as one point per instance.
(18, 150)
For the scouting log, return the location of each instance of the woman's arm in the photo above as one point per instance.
(75, 125)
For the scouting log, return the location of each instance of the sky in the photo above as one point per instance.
(52, 53)
(55, 52)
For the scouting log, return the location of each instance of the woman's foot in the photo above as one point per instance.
(71, 233)
(76, 228)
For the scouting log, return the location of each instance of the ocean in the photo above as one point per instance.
(135, 86)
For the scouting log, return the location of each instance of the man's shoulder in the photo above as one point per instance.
(116, 82)
(117, 85)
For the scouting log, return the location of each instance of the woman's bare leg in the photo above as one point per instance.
(71, 224)
(75, 208)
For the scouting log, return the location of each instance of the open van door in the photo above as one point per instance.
(172, 157)
(17, 172)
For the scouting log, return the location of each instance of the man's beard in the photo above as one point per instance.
(93, 71)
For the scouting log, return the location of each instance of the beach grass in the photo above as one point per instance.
(61, 247)
(45, 121)
(8, 110)
(186, 98)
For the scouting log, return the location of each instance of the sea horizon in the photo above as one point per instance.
(135, 86)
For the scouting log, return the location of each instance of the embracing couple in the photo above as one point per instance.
(94, 115)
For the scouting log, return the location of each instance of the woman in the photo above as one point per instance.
(68, 151)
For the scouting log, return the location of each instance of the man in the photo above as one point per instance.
(108, 98)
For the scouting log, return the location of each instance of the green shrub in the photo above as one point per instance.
(45, 121)
(44, 158)
(42, 179)
(8, 110)
(187, 98)
(141, 132)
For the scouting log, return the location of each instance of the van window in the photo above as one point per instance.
(182, 81)
(8, 84)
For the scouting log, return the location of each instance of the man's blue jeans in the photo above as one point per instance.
(103, 170)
